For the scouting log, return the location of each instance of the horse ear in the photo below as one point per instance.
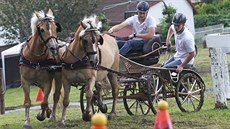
(50, 12)
(101, 40)
(59, 28)
(97, 19)
(37, 15)
(83, 25)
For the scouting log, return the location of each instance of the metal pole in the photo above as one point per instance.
(2, 103)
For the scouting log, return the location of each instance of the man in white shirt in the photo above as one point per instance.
(184, 42)
(143, 27)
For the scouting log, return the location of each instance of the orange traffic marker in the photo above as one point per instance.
(39, 96)
(99, 121)
(163, 120)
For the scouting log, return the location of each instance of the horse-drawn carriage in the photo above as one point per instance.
(143, 86)
(93, 62)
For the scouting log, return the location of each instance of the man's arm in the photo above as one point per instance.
(169, 35)
(148, 35)
(118, 27)
(186, 61)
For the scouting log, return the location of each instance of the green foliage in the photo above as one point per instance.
(213, 12)
(16, 15)
(165, 22)
(105, 22)
(211, 19)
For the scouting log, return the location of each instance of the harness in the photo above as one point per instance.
(83, 63)
(51, 65)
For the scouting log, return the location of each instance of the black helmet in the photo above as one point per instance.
(179, 18)
(142, 6)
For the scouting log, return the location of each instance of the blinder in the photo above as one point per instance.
(59, 28)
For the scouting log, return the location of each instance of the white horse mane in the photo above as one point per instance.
(36, 17)
(92, 19)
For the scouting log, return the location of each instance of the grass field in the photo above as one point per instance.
(206, 118)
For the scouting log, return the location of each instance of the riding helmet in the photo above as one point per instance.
(179, 18)
(142, 6)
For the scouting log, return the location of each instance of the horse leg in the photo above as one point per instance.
(27, 104)
(115, 91)
(67, 88)
(57, 85)
(103, 107)
(44, 105)
(89, 94)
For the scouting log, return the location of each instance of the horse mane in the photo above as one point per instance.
(36, 16)
(94, 20)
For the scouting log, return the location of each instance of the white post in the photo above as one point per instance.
(217, 66)
(225, 75)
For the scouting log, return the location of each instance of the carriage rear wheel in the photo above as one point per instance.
(190, 92)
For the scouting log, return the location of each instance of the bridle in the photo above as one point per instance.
(47, 20)
(93, 39)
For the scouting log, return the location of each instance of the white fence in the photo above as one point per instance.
(202, 32)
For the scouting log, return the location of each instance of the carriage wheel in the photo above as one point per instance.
(190, 93)
(135, 100)
(83, 102)
(157, 90)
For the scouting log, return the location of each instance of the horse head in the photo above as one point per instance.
(90, 38)
(44, 27)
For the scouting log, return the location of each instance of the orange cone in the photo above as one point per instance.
(99, 121)
(39, 96)
(163, 120)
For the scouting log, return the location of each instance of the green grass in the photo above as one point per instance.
(14, 97)
(207, 117)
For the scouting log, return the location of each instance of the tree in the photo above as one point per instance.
(16, 15)
(212, 13)
(165, 22)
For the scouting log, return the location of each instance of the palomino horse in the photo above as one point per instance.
(88, 50)
(39, 63)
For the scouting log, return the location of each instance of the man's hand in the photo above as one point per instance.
(131, 36)
(179, 68)
(110, 30)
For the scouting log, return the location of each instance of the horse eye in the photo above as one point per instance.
(42, 30)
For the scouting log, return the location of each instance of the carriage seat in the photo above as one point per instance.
(150, 52)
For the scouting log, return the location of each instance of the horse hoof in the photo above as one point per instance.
(103, 108)
(60, 125)
(52, 119)
(48, 112)
(111, 115)
(39, 117)
(27, 127)
(86, 117)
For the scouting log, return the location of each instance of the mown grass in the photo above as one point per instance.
(206, 118)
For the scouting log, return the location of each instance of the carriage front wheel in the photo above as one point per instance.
(190, 92)
(136, 102)
(95, 108)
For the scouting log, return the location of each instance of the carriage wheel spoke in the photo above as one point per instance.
(193, 92)
(137, 106)
(192, 103)
(141, 108)
(132, 104)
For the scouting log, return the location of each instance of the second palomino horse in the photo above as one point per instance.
(88, 50)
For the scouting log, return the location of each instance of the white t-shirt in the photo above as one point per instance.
(141, 28)
(184, 44)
